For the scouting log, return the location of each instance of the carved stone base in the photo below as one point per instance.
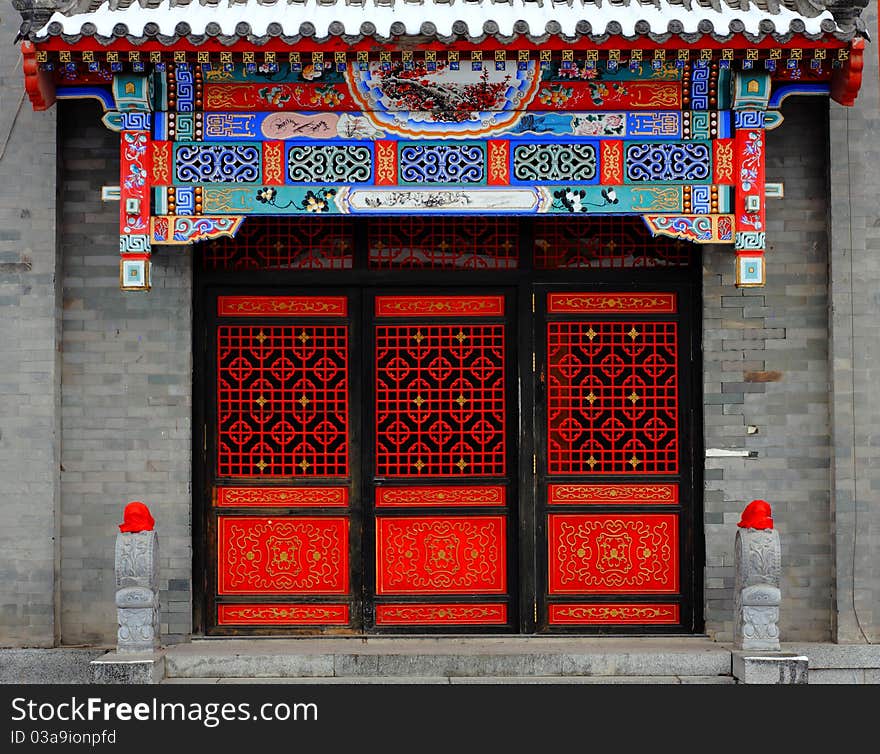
(138, 629)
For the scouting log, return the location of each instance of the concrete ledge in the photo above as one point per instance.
(128, 668)
(750, 668)
(50, 665)
(827, 655)
(489, 657)
(567, 680)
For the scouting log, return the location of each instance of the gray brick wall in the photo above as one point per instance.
(29, 359)
(855, 343)
(126, 393)
(766, 384)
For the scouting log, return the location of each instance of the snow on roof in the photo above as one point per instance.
(259, 20)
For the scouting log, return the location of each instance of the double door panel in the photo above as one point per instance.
(360, 463)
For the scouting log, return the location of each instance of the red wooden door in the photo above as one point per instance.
(280, 522)
(613, 475)
(440, 463)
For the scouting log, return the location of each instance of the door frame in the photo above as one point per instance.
(525, 281)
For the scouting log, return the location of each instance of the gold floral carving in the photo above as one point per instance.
(441, 555)
(614, 554)
(227, 200)
(612, 170)
(441, 496)
(663, 303)
(600, 493)
(657, 199)
(161, 160)
(256, 305)
(267, 496)
(386, 171)
(498, 158)
(432, 614)
(647, 94)
(614, 613)
(723, 160)
(273, 159)
(291, 614)
(304, 555)
(404, 306)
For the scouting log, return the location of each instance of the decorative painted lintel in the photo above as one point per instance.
(694, 228)
(175, 230)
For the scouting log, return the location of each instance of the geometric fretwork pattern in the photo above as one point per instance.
(612, 397)
(605, 242)
(283, 243)
(440, 400)
(282, 401)
(443, 243)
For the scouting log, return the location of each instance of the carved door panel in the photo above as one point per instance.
(615, 462)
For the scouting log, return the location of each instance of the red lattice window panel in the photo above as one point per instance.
(436, 243)
(440, 400)
(612, 398)
(605, 242)
(282, 401)
(283, 243)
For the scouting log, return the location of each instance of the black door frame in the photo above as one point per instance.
(525, 282)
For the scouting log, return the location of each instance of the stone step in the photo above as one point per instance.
(448, 659)
(462, 680)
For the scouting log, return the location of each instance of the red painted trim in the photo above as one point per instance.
(282, 306)
(39, 85)
(424, 614)
(612, 494)
(749, 177)
(611, 303)
(403, 497)
(619, 614)
(281, 497)
(846, 81)
(282, 614)
(439, 306)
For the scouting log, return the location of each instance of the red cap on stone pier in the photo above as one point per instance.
(136, 517)
(756, 516)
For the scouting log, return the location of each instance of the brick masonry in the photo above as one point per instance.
(30, 359)
(855, 312)
(765, 354)
(126, 393)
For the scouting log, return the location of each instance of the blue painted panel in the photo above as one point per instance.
(668, 163)
(198, 162)
(308, 162)
(441, 163)
(535, 162)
